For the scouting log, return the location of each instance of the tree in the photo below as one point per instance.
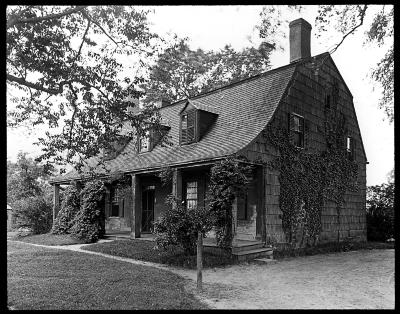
(380, 31)
(380, 212)
(64, 63)
(181, 72)
(26, 178)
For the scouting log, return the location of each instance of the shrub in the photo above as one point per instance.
(68, 211)
(33, 212)
(179, 226)
(88, 223)
(380, 212)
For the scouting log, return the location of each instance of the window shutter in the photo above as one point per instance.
(290, 122)
(184, 129)
(190, 126)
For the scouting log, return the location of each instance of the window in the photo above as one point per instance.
(350, 147)
(187, 127)
(144, 143)
(191, 194)
(115, 197)
(242, 207)
(328, 101)
(296, 128)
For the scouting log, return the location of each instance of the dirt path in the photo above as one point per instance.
(351, 280)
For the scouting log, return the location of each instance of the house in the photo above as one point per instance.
(233, 120)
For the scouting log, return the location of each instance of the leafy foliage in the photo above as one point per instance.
(228, 180)
(66, 62)
(380, 212)
(346, 19)
(69, 208)
(180, 225)
(33, 212)
(181, 72)
(26, 178)
(88, 223)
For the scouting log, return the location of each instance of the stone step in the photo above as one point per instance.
(252, 254)
(264, 260)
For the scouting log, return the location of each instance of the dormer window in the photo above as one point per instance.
(188, 120)
(196, 120)
(144, 143)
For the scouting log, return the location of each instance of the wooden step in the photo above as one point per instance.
(252, 254)
(242, 247)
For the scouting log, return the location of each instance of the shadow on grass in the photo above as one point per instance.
(174, 256)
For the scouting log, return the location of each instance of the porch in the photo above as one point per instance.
(241, 249)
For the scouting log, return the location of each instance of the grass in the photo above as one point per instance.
(144, 250)
(51, 279)
(282, 252)
(49, 239)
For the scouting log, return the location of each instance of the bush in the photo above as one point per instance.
(69, 209)
(380, 212)
(88, 223)
(179, 226)
(35, 213)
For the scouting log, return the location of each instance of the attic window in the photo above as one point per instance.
(328, 101)
(296, 129)
(188, 127)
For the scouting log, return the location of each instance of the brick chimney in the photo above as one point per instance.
(299, 39)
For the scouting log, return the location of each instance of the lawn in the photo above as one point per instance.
(144, 250)
(49, 239)
(52, 279)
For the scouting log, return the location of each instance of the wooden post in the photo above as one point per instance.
(56, 201)
(199, 261)
(136, 207)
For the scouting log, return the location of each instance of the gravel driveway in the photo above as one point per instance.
(351, 280)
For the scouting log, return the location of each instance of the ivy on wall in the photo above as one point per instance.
(229, 178)
(309, 179)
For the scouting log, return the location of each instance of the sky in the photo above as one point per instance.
(212, 27)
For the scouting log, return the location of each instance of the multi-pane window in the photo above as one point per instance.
(191, 194)
(144, 143)
(115, 197)
(187, 127)
(350, 147)
(296, 127)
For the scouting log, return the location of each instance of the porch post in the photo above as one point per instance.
(136, 207)
(261, 173)
(177, 184)
(56, 201)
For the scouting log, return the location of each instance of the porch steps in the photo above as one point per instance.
(253, 253)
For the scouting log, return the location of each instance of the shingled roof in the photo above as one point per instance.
(244, 109)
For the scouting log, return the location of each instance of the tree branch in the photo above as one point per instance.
(362, 15)
(83, 40)
(13, 20)
(98, 25)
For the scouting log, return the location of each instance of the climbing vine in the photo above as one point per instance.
(309, 179)
(228, 179)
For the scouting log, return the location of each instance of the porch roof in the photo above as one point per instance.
(244, 109)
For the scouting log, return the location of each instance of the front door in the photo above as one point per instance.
(147, 210)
